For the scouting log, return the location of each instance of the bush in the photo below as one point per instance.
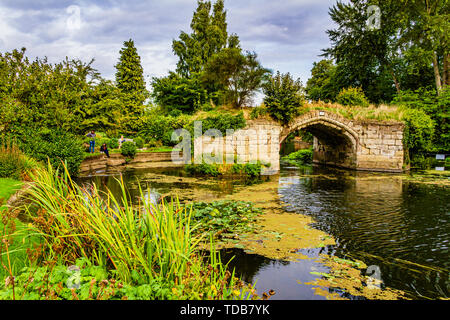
(139, 142)
(248, 169)
(304, 156)
(419, 131)
(160, 128)
(224, 122)
(13, 163)
(57, 145)
(437, 107)
(129, 149)
(284, 97)
(203, 169)
(113, 144)
(258, 112)
(352, 97)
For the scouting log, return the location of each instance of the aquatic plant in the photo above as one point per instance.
(137, 243)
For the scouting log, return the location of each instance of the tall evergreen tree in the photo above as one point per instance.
(209, 36)
(130, 80)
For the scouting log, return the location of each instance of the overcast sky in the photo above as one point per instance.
(287, 35)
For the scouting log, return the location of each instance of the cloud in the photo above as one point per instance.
(288, 35)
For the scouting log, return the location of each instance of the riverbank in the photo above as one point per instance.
(117, 162)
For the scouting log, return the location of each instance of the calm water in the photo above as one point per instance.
(402, 227)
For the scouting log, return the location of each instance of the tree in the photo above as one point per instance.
(322, 84)
(426, 25)
(366, 54)
(240, 75)
(209, 36)
(130, 80)
(284, 97)
(177, 93)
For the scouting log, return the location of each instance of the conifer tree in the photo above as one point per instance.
(130, 81)
(209, 36)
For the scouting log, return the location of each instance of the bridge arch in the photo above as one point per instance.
(335, 140)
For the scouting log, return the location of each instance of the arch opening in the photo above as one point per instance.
(333, 144)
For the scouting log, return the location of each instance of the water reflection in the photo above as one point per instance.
(382, 219)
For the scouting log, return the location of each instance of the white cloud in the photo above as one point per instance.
(288, 35)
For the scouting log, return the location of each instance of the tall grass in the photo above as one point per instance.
(136, 242)
(13, 163)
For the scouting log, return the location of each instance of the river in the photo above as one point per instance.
(397, 225)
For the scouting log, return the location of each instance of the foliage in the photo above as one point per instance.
(139, 142)
(209, 36)
(410, 43)
(113, 143)
(283, 97)
(304, 156)
(419, 131)
(129, 149)
(322, 84)
(352, 97)
(224, 122)
(225, 218)
(38, 94)
(203, 169)
(156, 127)
(251, 170)
(13, 163)
(437, 107)
(248, 170)
(240, 75)
(176, 93)
(57, 146)
(258, 112)
(143, 244)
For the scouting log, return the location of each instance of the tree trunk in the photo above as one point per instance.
(446, 77)
(397, 84)
(437, 74)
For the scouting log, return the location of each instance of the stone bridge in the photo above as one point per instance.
(353, 144)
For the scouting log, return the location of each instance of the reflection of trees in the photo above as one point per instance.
(382, 216)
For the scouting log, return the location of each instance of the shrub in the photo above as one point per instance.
(419, 131)
(437, 107)
(248, 169)
(284, 97)
(258, 112)
(13, 162)
(352, 97)
(203, 169)
(139, 142)
(304, 156)
(224, 122)
(113, 143)
(129, 149)
(57, 146)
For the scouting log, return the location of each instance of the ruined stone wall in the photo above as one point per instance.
(372, 146)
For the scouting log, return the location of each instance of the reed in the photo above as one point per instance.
(137, 242)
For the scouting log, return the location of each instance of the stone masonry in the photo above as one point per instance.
(359, 145)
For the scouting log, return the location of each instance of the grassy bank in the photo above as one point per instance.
(8, 187)
(136, 251)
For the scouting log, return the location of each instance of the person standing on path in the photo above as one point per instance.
(91, 135)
